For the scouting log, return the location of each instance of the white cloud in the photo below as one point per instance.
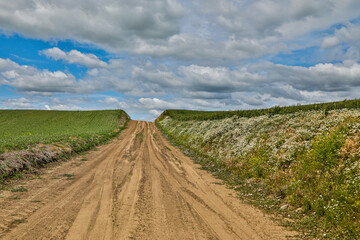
(330, 42)
(216, 79)
(162, 78)
(63, 107)
(111, 102)
(277, 80)
(74, 56)
(261, 18)
(93, 72)
(192, 86)
(206, 31)
(113, 24)
(17, 103)
(154, 103)
(349, 34)
(155, 113)
(188, 46)
(29, 79)
(321, 77)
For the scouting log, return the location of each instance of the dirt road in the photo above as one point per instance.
(136, 187)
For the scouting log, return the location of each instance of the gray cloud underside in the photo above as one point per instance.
(199, 30)
(193, 81)
(106, 21)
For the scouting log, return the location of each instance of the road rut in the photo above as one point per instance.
(136, 187)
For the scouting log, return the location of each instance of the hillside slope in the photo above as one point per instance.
(21, 128)
(32, 138)
(304, 162)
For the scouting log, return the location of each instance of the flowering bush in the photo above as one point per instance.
(310, 159)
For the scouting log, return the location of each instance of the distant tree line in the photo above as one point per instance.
(185, 115)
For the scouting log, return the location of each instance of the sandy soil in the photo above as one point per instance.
(136, 187)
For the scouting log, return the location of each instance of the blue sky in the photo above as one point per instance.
(145, 57)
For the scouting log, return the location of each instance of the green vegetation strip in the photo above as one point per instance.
(303, 165)
(185, 115)
(21, 128)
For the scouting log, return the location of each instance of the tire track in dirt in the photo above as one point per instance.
(136, 187)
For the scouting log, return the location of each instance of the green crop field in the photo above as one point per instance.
(21, 128)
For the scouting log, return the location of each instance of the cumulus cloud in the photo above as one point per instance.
(155, 113)
(17, 103)
(115, 76)
(186, 46)
(30, 79)
(250, 29)
(89, 60)
(321, 77)
(154, 103)
(202, 86)
(113, 24)
(113, 102)
(275, 80)
(216, 79)
(261, 18)
(330, 41)
(162, 78)
(348, 34)
(34, 81)
(163, 28)
(69, 107)
(218, 83)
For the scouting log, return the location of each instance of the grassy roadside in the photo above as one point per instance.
(66, 133)
(249, 192)
(303, 166)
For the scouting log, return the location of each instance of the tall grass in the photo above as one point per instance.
(308, 160)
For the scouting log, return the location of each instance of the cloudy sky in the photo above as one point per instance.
(147, 56)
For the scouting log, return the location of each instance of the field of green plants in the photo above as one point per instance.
(303, 164)
(20, 129)
(185, 115)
